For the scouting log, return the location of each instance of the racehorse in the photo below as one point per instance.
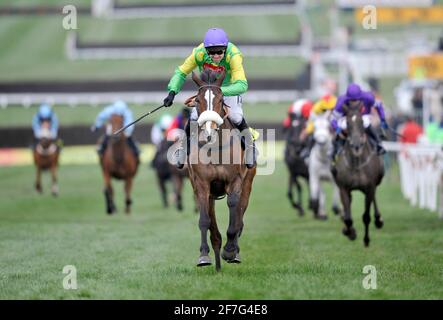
(296, 164)
(165, 172)
(212, 180)
(119, 162)
(358, 167)
(46, 154)
(320, 168)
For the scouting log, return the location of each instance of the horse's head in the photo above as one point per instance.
(209, 101)
(115, 123)
(356, 131)
(45, 134)
(322, 130)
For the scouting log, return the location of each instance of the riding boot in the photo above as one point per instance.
(248, 144)
(370, 131)
(132, 144)
(102, 148)
(180, 152)
(337, 146)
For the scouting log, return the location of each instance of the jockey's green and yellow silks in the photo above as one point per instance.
(235, 82)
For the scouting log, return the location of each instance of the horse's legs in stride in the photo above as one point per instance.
(346, 199)
(128, 200)
(378, 219)
(162, 185)
(109, 194)
(336, 200)
(38, 180)
(369, 197)
(54, 188)
(177, 181)
(293, 180)
(216, 239)
(230, 250)
(204, 223)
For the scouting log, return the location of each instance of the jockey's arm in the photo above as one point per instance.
(36, 126)
(127, 119)
(239, 84)
(380, 111)
(337, 112)
(54, 126)
(103, 116)
(181, 72)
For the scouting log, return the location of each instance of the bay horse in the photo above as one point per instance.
(212, 180)
(358, 167)
(296, 165)
(46, 154)
(320, 168)
(119, 162)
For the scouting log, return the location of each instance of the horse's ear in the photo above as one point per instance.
(197, 80)
(220, 79)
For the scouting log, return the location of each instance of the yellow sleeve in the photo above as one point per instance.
(310, 127)
(317, 108)
(189, 64)
(237, 71)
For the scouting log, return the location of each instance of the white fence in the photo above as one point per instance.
(421, 174)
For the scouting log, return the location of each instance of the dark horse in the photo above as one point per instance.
(120, 162)
(296, 164)
(212, 180)
(46, 154)
(358, 167)
(165, 172)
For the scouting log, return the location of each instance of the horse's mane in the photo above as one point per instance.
(208, 76)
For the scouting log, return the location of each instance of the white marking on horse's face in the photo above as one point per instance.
(209, 97)
(354, 118)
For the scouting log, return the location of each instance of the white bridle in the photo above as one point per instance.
(209, 115)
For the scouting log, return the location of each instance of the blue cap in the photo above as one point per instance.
(44, 111)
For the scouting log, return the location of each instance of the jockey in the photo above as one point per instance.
(159, 129)
(45, 113)
(121, 108)
(322, 107)
(355, 96)
(300, 109)
(218, 54)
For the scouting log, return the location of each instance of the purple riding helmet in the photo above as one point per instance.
(215, 37)
(354, 92)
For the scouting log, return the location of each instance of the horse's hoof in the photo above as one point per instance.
(321, 217)
(366, 242)
(350, 233)
(301, 213)
(236, 259)
(379, 223)
(336, 210)
(231, 256)
(204, 261)
(180, 207)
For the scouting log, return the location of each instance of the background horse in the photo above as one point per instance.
(358, 167)
(296, 164)
(212, 181)
(118, 161)
(320, 168)
(165, 172)
(46, 154)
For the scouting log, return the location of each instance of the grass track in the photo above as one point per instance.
(151, 254)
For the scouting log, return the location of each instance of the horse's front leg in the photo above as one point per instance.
(378, 219)
(128, 200)
(204, 223)
(109, 193)
(178, 186)
(38, 179)
(369, 198)
(230, 250)
(314, 193)
(335, 199)
(54, 188)
(346, 199)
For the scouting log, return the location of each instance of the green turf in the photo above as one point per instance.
(85, 115)
(152, 253)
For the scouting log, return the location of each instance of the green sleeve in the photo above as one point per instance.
(177, 81)
(236, 88)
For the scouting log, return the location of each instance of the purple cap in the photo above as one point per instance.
(216, 37)
(353, 92)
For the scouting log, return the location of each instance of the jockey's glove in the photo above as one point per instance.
(169, 99)
(384, 125)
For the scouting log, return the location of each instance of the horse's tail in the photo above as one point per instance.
(218, 189)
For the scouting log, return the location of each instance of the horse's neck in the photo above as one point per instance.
(117, 147)
(357, 161)
(322, 151)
